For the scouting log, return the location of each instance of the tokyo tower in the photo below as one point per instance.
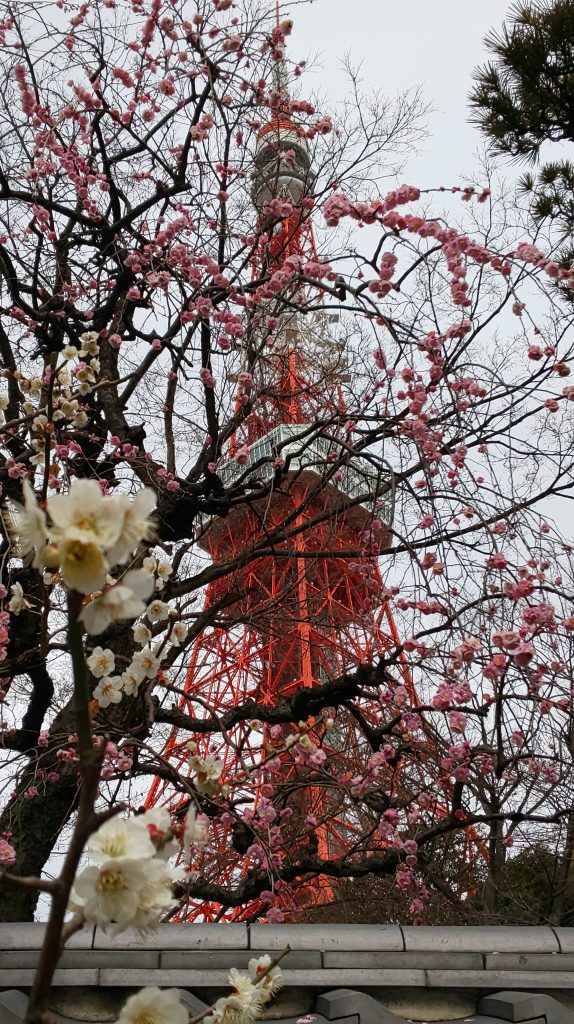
(306, 609)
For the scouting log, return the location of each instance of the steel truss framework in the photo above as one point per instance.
(305, 609)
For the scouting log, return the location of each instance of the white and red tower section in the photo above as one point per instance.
(308, 608)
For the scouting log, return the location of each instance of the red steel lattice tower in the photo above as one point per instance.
(309, 610)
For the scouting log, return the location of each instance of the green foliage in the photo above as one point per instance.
(552, 194)
(529, 890)
(525, 95)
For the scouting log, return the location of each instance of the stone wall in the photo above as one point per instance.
(426, 973)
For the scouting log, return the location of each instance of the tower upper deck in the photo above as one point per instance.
(283, 443)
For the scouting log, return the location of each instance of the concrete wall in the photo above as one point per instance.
(426, 973)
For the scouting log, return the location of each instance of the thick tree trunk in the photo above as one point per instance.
(564, 879)
(35, 825)
(496, 861)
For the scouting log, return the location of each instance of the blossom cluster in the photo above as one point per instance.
(84, 534)
(458, 249)
(130, 883)
(69, 382)
(251, 993)
(145, 663)
(110, 688)
(207, 771)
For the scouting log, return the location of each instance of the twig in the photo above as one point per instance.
(277, 960)
(30, 882)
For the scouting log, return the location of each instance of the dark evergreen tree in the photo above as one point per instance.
(524, 98)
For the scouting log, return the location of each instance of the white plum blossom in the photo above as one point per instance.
(136, 670)
(136, 525)
(131, 682)
(196, 830)
(17, 602)
(121, 837)
(101, 662)
(163, 571)
(34, 385)
(250, 993)
(85, 375)
(86, 510)
(69, 409)
(158, 823)
(110, 892)
(90, 343)
(157, 819)
(142, 635)
(207, 773)
(229, 1010)
(160, 568)
(108, 691)
(40, 423)
(83, 531)
(178, 633)
(131, 886)
(273, 980)
(157, 611)
(146, 662)
(31, 525)
(125, 600)
(40, 457)
(82, 563)
(155, 896)
(154, 1006)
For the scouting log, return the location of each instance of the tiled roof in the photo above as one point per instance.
(322, 959)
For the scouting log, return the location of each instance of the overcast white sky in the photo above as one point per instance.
(431, 43)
